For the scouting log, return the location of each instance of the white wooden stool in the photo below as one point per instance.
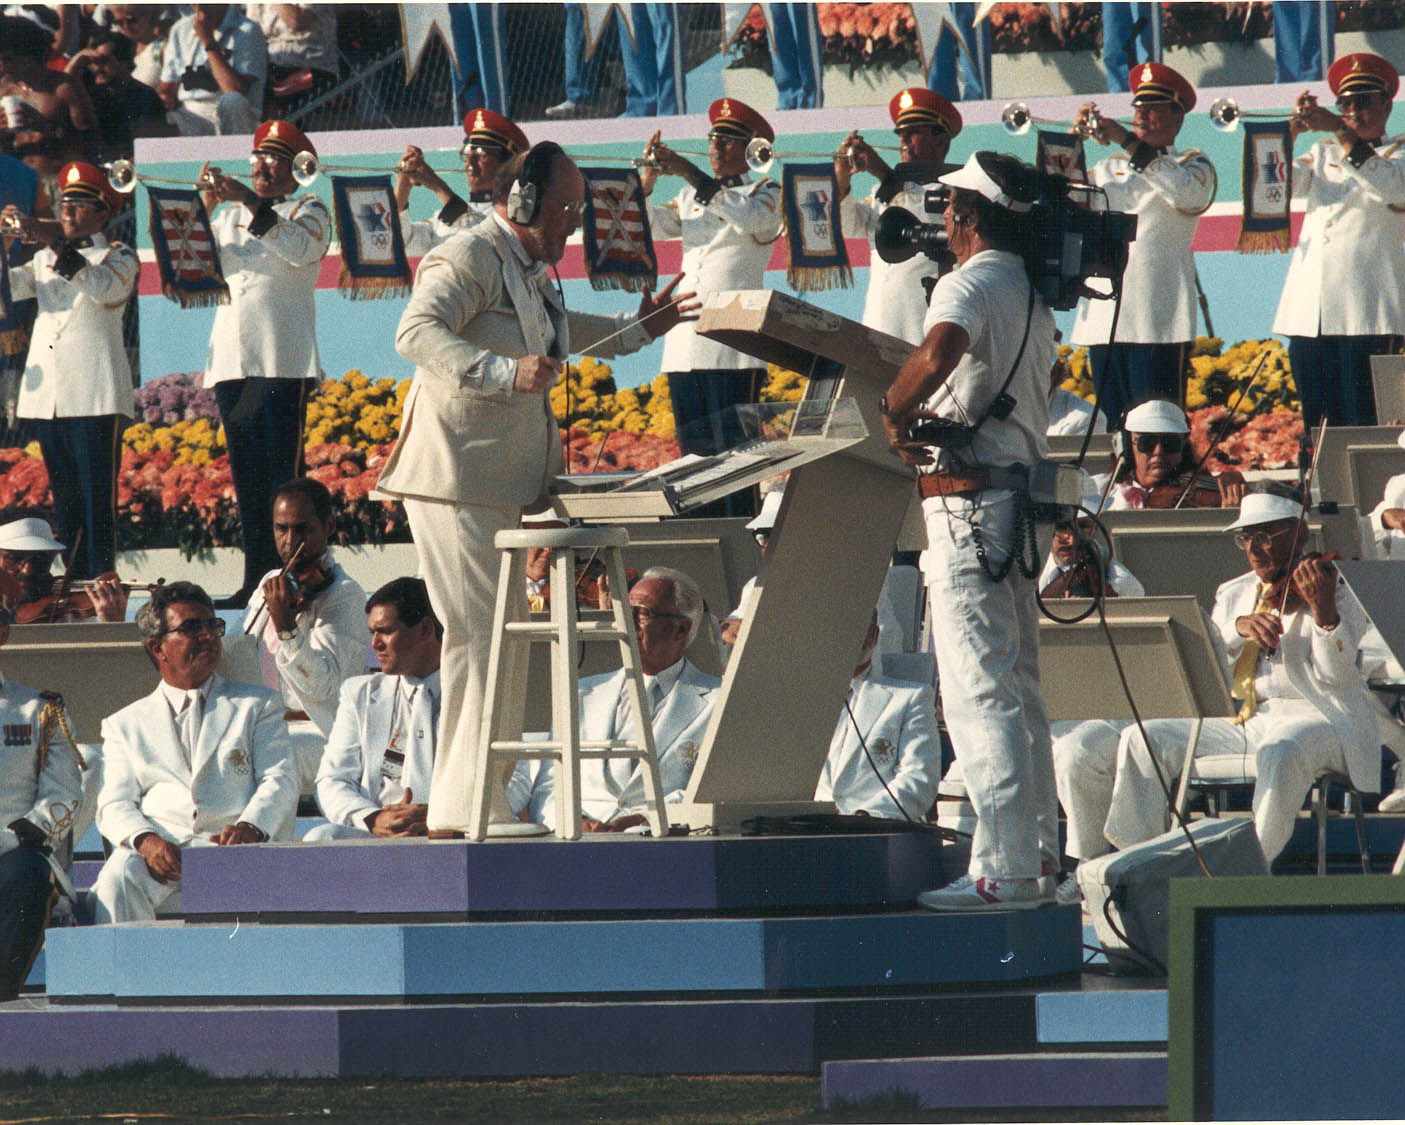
(513, 634)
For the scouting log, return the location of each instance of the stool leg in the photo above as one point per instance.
(629, 658)
(1320, 812)
(1359, 814)
(565, 695)
(510, 605)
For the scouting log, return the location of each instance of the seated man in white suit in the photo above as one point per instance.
(668, 607)
(886, 756)
(199, 761)
(1299, 671)
(375, 775)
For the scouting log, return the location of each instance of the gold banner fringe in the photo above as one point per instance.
(14, 341)
(371, 288)
(814, 280)
(631, 283)
(1263, 241)
(202, 300)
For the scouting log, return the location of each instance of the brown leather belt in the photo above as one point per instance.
(971, 481)
(295, 717)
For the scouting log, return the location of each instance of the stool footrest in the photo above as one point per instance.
(585, 630)
(585, 750)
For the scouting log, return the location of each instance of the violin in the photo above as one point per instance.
(308, 584)
(1192, 490)
(1284, 594)
(70, 602)
(1082, 580)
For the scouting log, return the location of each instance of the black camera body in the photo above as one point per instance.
(1063, 245)
(200, 78)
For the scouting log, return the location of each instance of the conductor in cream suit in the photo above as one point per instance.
(727, 222)
(263, 358)
(199, 761)
(489, 335)
(886, 755)
(926, 123)
(668, 607)
(77, 388)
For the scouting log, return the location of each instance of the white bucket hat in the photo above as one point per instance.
(1265, 507)
(28, 535)
(1156, 417)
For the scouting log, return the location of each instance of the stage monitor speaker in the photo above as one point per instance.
(1130, 891)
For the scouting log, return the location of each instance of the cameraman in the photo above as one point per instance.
(213, 73)
(990, 339)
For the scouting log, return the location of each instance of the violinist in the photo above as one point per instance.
(27, 553)
(1078, 565)
(1299, 649)
(308, 619)
(1156, 467)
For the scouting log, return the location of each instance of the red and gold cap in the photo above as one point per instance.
(1363, 73)
(919, 106)
(484, 127)
(1154, 83)
(738, 119)
(87, 183)
(282, 139)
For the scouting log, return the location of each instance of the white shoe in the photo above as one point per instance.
(1393, 802)
(567, 108)
(1068, 892)
(985, 893)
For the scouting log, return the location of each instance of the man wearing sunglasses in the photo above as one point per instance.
(1299, 648)
(1155, 465)
(263, 360)
(727, 222)
(199, 761)
(490, 139)
(1344, 297)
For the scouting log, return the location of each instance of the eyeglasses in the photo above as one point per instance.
(1260, 538)
(1169, 443)
(474, 148)
(1357, 101)
(574, 207)
(643, 615)
(725, 138)
(195, 626)
(265, 160)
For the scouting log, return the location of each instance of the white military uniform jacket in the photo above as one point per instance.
(726, 245)
(478, 306)
(374, 709)
(422, 236)
(269, 328)
(1347, 276)
(1068, 414)
(898, 722)
(1327, 668)
(1158, 286)
(47, 798)
(77, 366)
(1389, 543)
(896, 300)
(612, 789)
(240, 770)
(1123, 581)
(331, 642)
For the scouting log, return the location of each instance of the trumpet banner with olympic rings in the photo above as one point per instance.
(810, 201)
(373, 257)
(1268, 187)
(186, 255)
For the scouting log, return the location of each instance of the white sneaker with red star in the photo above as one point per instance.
(985, 893)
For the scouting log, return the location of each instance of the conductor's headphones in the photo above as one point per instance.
(524, 200)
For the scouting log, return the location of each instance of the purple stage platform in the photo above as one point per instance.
(752, 1036)
(1007, 1081)
(444, 880)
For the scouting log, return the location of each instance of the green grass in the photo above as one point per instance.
(171, 1090)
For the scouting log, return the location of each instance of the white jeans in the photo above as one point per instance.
(1286, 746)
(1085, 763)
(460, 567)
(326, 833)
(229, 114)
(987, 644)
(126, 891)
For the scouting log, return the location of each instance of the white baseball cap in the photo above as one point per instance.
(28, 535)
(1265, 507)
(1157, 416)
(972, 176)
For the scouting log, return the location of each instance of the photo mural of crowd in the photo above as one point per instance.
(174, 489)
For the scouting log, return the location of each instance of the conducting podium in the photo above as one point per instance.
(843, 504)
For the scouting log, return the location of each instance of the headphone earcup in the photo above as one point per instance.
(522, 202)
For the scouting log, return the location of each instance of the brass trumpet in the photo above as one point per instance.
(760, 154)
(1017, 119)
(123, 176)
(1225, 114)
(306, 169)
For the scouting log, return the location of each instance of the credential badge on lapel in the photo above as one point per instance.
(884, 752)
(239, 760)
(18, 734)
(689, 750)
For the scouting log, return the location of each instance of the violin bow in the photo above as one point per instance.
(1223, 429)
(263, 608)
(1306, 490)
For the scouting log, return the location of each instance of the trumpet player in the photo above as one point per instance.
(925, 123)
(490, 140)
(1342, 300)
(77, 384)
(727, 222)
(263, 348)
(1167, 190)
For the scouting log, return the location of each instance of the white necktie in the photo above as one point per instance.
(189, 723)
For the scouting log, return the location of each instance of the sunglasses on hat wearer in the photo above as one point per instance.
(1170, 443)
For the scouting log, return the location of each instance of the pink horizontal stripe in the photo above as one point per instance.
(1213, 234)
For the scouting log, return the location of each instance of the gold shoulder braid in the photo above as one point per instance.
(50, 717)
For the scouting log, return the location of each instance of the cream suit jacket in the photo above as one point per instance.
(240, 770)
(465, 435)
